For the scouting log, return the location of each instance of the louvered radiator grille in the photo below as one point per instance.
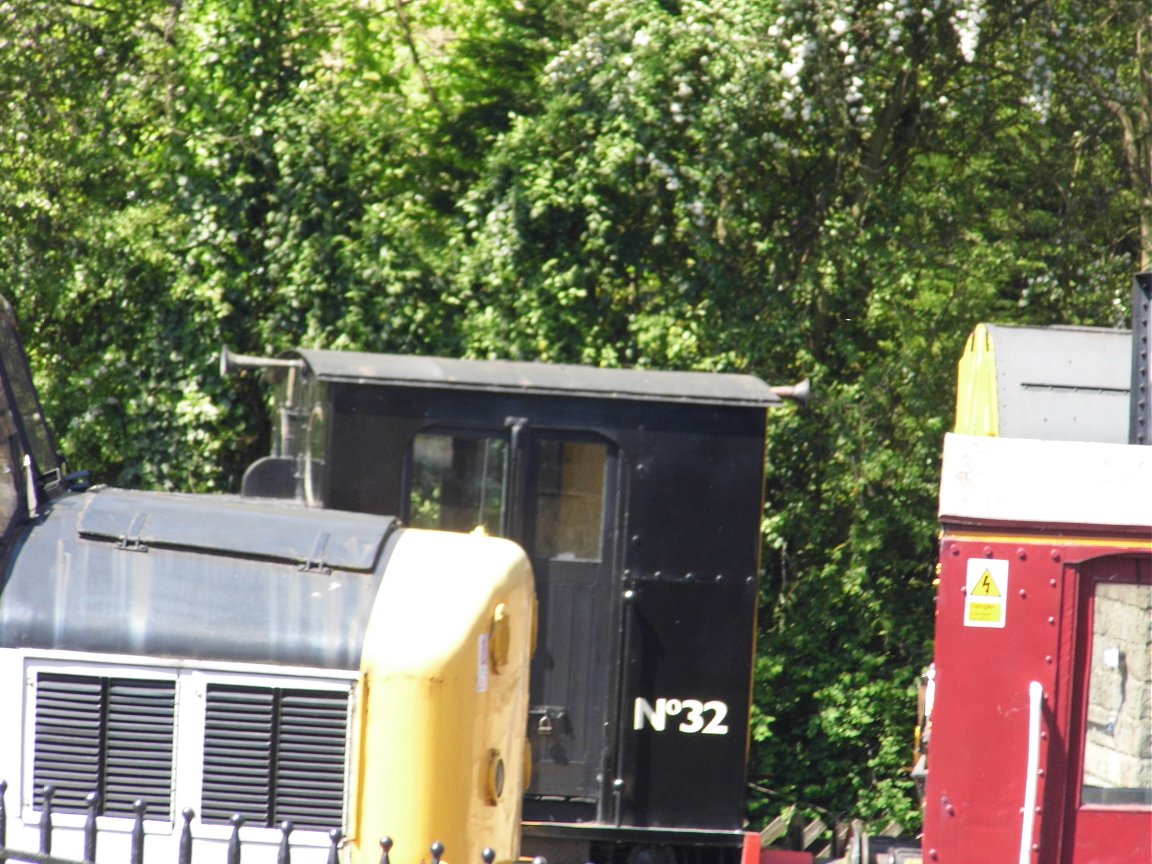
(275, 754)
(113, 736)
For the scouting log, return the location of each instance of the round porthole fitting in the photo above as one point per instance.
(494, 777)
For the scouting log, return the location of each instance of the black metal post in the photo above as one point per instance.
(184, 851)
(385, 850)
(437, 852)
(284, 855)
(334, 849)
(1140, 395)
(93, 802)
(233, 856)
(3, 814)
(136, 852)
(46, 821)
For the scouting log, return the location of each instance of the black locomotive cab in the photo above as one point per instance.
(637, 496)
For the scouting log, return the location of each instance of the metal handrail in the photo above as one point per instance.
(1032, 779)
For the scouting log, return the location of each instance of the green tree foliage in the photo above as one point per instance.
(257, 174)
(838, 190)
(786, 187)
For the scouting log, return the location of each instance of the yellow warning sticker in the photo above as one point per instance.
(986, 586)
(986, 593)
(987, 613)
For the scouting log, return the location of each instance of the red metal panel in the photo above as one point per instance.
(977, 762)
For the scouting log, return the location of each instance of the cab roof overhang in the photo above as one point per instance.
(703, 388)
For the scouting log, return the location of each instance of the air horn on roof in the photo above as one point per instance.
(230, 361)
(800, 392)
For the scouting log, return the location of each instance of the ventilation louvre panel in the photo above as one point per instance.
(138, 760)
(112, 736)
(273, 755)
(238, 734)
(311, 757)
(69, 712)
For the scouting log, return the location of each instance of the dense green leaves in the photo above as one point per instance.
(834, 189)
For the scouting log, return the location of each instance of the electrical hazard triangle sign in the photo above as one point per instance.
(986, 590)
(986, 586)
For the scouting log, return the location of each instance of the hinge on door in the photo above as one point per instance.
(315, 562)
(130, 540)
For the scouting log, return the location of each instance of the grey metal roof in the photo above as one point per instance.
(1063, 383)
(237, 526)
(544, 378)
(209, 581)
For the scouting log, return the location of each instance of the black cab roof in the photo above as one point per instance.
(539, 378)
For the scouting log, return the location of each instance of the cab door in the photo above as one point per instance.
(555, 493)
(569, 515)
(1108, 809)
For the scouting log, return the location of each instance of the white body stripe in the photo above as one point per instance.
(1058, 482)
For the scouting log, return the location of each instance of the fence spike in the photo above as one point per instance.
(93, 802)
(233, 856)
(284, 855)
(46, 821)
(184, 850)
(385, 850)
(136, 852)
(3, 813)
(437, 852)
(488, 855)
(334, 849)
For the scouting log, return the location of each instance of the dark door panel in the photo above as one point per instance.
(568, 521)
(569, 678)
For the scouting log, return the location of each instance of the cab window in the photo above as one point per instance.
(1118, 732)
(570, 500)
(457, 482)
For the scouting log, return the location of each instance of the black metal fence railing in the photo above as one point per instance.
(184, 855)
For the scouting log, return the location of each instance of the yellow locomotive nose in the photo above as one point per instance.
(445, 700)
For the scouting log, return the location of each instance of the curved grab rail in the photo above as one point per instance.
(1032, 779)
